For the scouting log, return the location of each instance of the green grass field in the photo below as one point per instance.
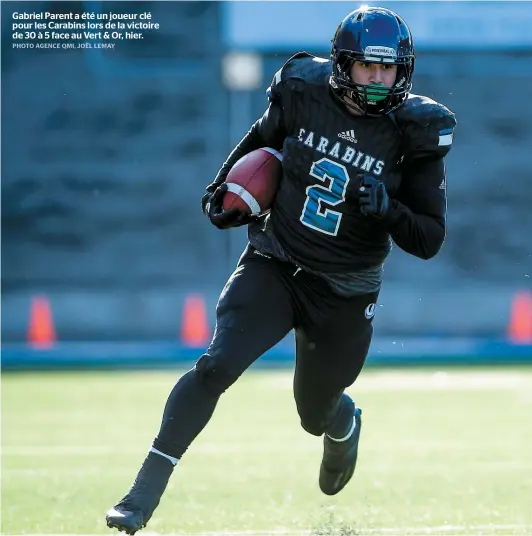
(441, 453)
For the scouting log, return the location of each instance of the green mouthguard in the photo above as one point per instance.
(377, 92)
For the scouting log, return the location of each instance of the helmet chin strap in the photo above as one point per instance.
(352, 106)
(356, 109)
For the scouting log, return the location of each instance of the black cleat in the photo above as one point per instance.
(128, 521)
(339, 459)
(134, 511)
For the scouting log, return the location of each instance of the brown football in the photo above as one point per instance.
(253, 181)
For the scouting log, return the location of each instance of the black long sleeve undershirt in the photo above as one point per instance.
(268, 131)
(417, 216)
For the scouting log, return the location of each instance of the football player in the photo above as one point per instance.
(363, 164)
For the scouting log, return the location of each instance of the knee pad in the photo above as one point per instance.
(214, 373)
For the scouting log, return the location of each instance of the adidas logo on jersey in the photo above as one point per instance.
(358, 159)
(348, 135)
(442, 185)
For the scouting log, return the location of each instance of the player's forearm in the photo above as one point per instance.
(268, 131)
(418, 234)
(251, 141)
(417, 216)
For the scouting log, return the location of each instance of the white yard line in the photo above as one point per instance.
(415, 380)
(227, 447)
(378, 469)
(447, 530)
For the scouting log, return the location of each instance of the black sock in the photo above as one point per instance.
(343, 422)
(149, 486)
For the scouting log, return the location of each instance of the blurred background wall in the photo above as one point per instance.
(106, 153)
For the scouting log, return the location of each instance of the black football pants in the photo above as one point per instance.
(261, 302)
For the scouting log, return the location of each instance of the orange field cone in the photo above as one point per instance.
(41, 331)
(195, 326)
(520, 325)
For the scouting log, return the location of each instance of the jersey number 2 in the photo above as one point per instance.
(315, 215)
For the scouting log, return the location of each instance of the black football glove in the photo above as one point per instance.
(212, 206)
(372, 197)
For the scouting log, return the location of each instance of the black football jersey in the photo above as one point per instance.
(316, 217)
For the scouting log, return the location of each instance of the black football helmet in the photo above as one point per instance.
(372, 35)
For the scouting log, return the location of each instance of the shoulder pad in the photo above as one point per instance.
(300, 67)
(427, 127)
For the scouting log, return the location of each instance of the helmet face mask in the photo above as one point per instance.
(372, 35)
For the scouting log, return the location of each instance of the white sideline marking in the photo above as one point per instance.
(216, 449)
(448, 530)
(428, 381)
(384, 469)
